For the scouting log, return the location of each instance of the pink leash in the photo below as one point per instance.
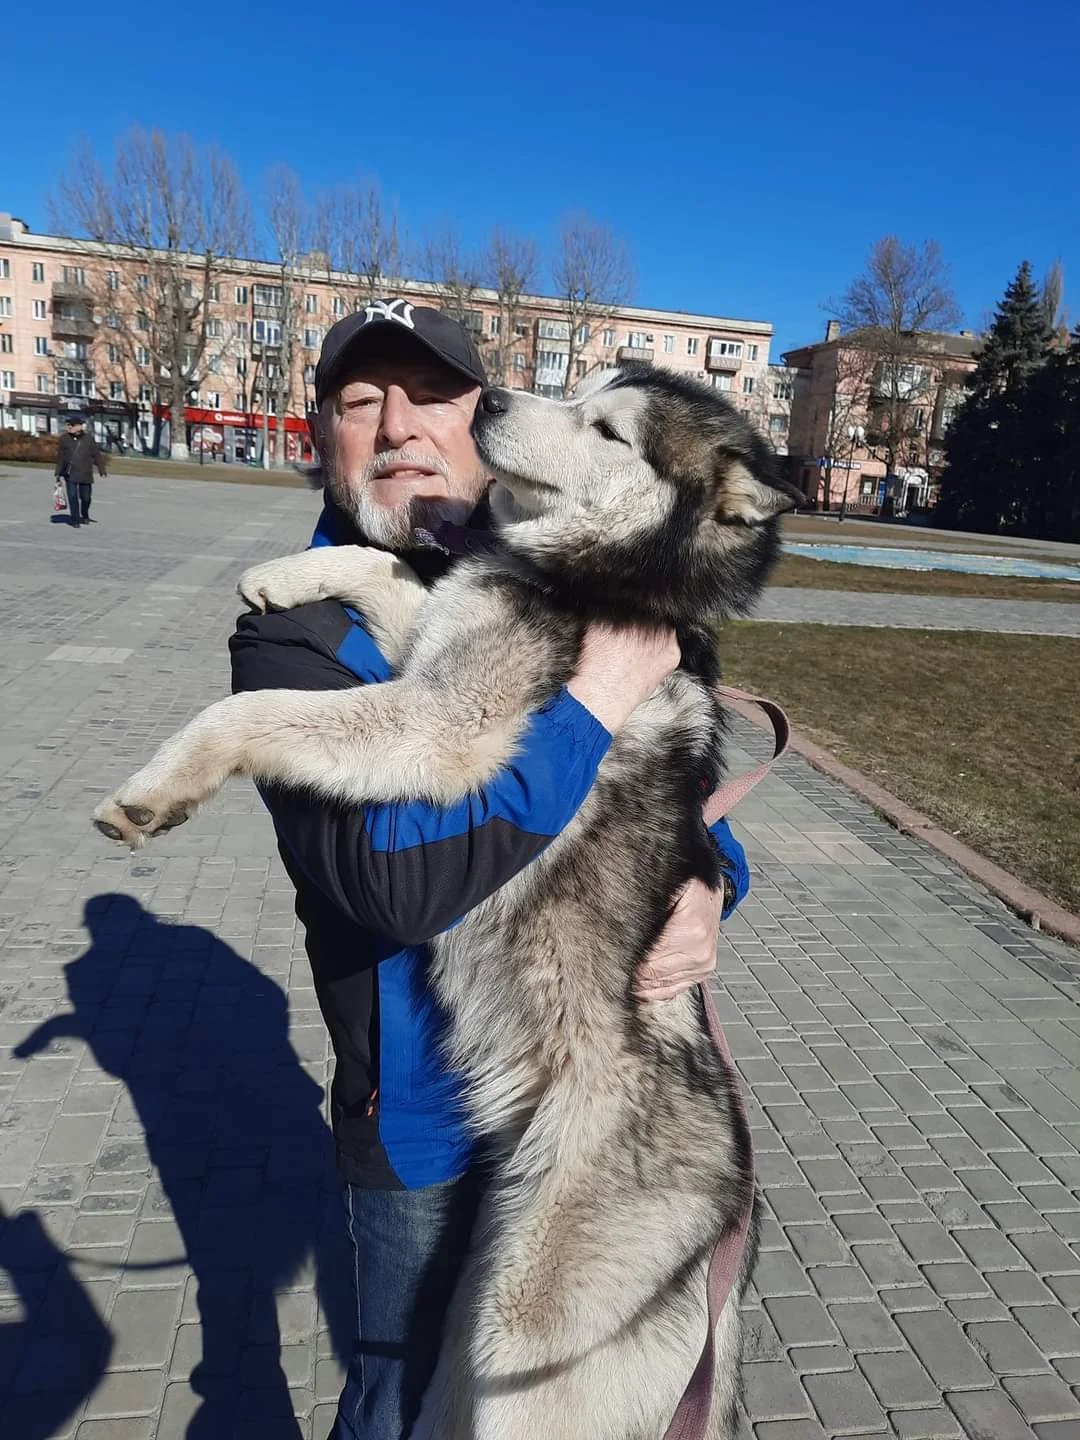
(691, 1418)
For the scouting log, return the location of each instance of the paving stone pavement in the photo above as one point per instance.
(919, 612)
(170, 1241)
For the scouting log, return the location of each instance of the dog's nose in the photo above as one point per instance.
(495, 401)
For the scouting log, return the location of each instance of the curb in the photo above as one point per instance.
(1040, 912)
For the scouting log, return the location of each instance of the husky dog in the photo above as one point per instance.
(619, 1155)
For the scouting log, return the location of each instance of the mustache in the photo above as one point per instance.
(417, 459)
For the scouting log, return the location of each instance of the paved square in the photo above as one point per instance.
(170, 1245)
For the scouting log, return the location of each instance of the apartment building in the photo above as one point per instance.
(845, 397)
(71, 322)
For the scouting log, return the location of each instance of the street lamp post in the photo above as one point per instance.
(856, 434)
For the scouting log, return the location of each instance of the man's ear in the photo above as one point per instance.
(745, 499)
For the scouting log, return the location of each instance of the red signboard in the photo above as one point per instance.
(193, 415)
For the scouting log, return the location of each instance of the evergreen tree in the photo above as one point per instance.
(1049, 505)
(987, 465)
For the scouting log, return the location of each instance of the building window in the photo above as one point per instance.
(311, 304)
(637, 340)
(268, 295)
(609, 337)
(112, 320)
(213, 399)
(74, 382)
(40, 309)
(751, 352)
(552, 360)
(266, 332)
(215, 329)
(142, 356)
(241, 294)
(494, 324)
(580, 367)
(239, 402)
(37, 273)
(784, 388)
(553, 330)
(692, 345)
(43, 384)
(242, 328)
(114, 354)
(309, 374)
(550, 392)
(669, 344)
(146, 394)
(214, 292)
(41, 345)
(112, 279)
(7, 379)
(583, 334)
(521, 330)
(116, 389)
(241, 365)
(7, 344)
(727, 347)
(312, 339)
(6, 308)
(142, 320)
(777, 424)
(748, 385)
(339, 305)
(5, 268)
(519, 361)
(74, 275)
(721, 382)
(213, 365)
(142, 282)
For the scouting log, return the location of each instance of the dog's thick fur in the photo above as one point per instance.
(619, 1157)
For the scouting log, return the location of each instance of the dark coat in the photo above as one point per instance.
(78, 457)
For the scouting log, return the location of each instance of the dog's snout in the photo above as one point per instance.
(494, 401)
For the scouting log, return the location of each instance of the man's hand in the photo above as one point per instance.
(685, 954)
(621, 667)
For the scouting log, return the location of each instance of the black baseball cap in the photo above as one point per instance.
(437, 332)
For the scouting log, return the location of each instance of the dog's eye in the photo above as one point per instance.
(603, 428)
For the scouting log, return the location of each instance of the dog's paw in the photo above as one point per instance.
(281, 584)
(132, 823)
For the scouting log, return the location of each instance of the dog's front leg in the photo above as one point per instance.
(395, 741)
(387, 592)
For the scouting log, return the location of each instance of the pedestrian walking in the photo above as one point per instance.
(79, 456)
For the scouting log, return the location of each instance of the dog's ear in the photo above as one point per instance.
(744, 497)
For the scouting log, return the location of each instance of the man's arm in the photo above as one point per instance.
(410, 870)
(97, 455)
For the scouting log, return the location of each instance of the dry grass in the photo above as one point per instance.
(981, 732)
(149, 467)
(802, 572)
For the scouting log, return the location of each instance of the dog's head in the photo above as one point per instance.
(648, 493)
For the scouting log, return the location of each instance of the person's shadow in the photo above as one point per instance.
(234, 1128)
(55, 1354)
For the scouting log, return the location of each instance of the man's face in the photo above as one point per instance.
(398, 449)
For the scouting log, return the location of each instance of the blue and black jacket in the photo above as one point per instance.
(374, 883)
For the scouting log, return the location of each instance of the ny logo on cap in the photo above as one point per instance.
(399, 310)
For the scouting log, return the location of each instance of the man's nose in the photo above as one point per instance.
(400, 419)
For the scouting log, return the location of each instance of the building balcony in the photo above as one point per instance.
(728, 364)
(632, 352)
(71, 290)
(73, 328)
(266, 312)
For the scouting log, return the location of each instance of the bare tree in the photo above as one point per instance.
(891, 312)
(511, 266)
(297, 260)
(593, 278)
(359, 238)
(456, 274)
(1053, 297)
(849, 401)
(162, 223)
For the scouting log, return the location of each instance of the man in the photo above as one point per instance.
(76, 459)
(396, 387)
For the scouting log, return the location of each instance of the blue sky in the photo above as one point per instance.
(749, 154)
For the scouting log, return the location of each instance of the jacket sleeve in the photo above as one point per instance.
(734, 865)
(60, 456)
(97, 456)
(409, 870)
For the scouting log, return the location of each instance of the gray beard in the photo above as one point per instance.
(394, 527)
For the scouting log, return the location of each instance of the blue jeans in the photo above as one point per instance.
(408, 1248)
